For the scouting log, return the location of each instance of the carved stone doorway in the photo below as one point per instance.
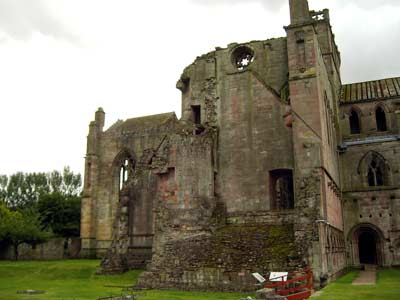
(366, 244)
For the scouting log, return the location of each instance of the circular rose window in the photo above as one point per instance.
(242, 57)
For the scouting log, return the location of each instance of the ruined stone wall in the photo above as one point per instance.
(133, 139)
(248, 107)
(53, 249)
(185, 205)
(185, 191)
(251, 123)
(233, 253)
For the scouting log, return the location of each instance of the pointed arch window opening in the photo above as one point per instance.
(380, 119)
(354, 123)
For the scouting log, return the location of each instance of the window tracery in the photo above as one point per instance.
(125, 172)
(374, 170)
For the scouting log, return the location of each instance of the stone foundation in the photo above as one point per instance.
(223, 260)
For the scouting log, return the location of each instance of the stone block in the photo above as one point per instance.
(265, 294)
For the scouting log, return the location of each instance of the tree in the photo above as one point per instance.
(22, 190)
(72, 182)
(66, 183)
(5, 216)
(17, 227)
(60, 213)
(3, 187)
(53, 196)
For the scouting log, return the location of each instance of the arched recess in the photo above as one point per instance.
(366, 245)
(355, 120)
(122, 169)
(380, 117)
(374, 170)
(281, 189)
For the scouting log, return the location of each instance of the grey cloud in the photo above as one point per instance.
(369, 55)
(20, 18)
(276, 4)
(269, 4)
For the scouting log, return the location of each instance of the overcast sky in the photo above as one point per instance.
(61, 59)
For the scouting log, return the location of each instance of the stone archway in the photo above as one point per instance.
(367, 245)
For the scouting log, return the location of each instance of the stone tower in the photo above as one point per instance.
(299, 12)
(314, 62)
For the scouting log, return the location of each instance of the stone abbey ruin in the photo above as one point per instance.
(274, 164)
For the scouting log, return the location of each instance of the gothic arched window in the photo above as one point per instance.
(374, 170)
(380, 119)
(354, 122)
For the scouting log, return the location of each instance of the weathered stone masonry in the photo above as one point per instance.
(273, 165)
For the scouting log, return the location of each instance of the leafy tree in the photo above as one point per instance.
(53, 196)
(60, 213)
(71, 182)
(3, 187)
(22, 190)
(5, 216)
(66, 183)
(18, 227)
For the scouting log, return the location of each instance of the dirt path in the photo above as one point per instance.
(367, 277)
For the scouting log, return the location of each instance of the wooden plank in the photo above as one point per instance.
(391, 88)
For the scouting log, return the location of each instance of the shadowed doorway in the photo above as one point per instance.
(366, 243)
(367, 248)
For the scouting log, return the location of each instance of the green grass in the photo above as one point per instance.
(387, 288)
(76, 279)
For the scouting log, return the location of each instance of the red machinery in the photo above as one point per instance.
(295, 286)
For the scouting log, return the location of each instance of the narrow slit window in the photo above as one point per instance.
(380, 119)
(354, 123)
(196, 114)
(89, 175)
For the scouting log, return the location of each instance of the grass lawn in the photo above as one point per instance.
(387, 288)
(76, 280)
